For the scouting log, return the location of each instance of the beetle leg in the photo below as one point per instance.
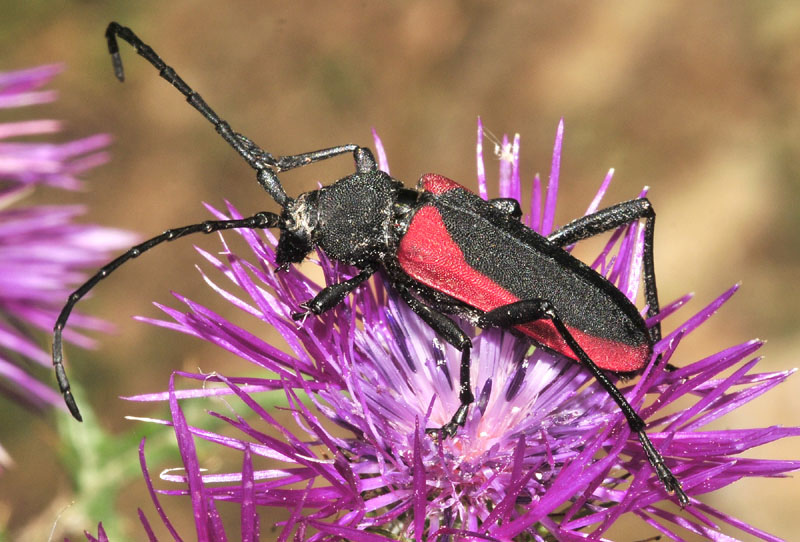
(510, 206)
(332, 295)
(452, 333)
(608, 219)
(363, 157)
(529, 310)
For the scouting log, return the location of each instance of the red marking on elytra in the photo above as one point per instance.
(606, 354)
(428, 254)
(436, 184)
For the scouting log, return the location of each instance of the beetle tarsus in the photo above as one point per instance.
(670, 482)
(450, 429)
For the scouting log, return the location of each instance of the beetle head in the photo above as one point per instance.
(298, 221)
(349, 220)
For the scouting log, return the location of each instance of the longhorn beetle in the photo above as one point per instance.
(446, 252)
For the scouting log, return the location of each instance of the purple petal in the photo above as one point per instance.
(552, 183)
(189, 456)
(383, 163)
(153, 496)
(481, 168)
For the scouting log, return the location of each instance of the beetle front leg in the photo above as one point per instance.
(332, 295)
(454, 335)
(529, 310)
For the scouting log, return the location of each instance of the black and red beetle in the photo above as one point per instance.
(446, 251)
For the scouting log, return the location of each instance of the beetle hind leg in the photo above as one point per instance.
(529, 310)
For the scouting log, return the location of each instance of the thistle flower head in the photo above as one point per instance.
(44, 252)
(545, 454)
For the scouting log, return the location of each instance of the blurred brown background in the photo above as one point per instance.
(700, 101)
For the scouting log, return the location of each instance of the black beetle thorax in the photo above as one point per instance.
(354, 217)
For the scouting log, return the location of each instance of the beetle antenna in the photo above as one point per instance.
(257, 221)
(255, 156)
(265, 164)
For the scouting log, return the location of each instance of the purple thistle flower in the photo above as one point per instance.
(43, 251)
(545, 453)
